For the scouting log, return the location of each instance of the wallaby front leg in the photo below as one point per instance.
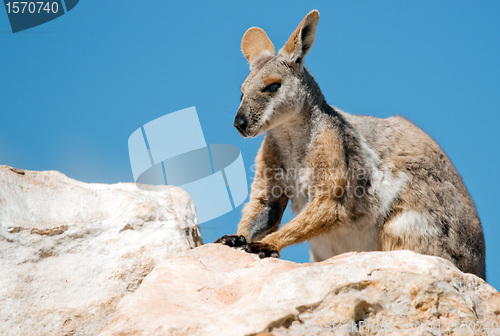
(262, 214)
(260, 217)
(319, 216)
(326, 210)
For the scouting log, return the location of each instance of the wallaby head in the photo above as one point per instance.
(276, 88)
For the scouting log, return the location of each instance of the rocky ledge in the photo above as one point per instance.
(218, 290)
(69, 251)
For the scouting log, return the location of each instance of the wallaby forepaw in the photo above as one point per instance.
(264, 250)
(232, 240)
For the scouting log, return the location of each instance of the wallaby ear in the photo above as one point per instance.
(302, 39)
(256, 43)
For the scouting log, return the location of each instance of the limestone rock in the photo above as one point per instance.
(218, 290)
(69, 251)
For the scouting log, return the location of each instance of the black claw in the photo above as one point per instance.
(232, 240)
(218, 241)
(252, 247)
(263, 250)
(242, 241)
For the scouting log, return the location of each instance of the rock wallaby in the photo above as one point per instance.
(357, 183)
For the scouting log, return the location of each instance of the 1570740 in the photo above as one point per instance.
(31, 7)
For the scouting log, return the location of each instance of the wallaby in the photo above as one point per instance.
(357, 183)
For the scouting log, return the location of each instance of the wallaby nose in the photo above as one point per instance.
(241, 123)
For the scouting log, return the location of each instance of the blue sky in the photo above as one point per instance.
(74, 89)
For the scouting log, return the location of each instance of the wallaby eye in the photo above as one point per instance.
(241, 98)
(272, 87)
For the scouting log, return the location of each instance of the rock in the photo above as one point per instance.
(69, 251)
(218, 290)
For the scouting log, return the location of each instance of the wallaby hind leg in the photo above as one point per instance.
(420, 232)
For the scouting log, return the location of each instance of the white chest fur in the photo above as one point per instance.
(298, 187)
(296, 175)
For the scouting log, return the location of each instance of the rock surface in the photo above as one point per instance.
(69, 251)
(217, 290)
